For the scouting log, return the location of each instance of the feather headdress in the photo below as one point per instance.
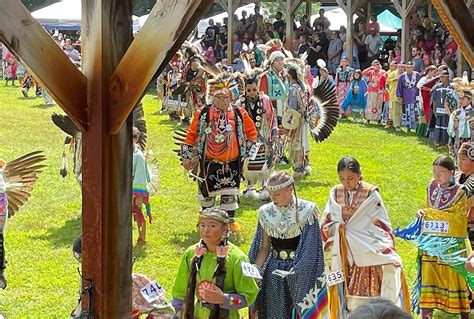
(299, 66)
(273, 50)
(221, 82)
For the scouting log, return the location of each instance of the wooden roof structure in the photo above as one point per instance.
(115, 73)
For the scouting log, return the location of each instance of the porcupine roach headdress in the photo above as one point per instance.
(274, 49)
(221, 83)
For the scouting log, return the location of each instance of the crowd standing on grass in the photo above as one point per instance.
(242, 115)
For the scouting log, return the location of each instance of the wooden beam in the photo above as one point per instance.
(350, 32)
(430, 9)
(230, 31)
(28, 40)
(223, 4)
(281, 5)
(410, 6)
(309, 8)
(356, 4)
(458, 21)
(296, 4)
(106, 162)
(289, 23)
(144, 57)
(342, 5)
(398, 6)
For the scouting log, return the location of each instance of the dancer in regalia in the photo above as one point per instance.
(425, 85)
(461, 124)
(359, 245)
(193, 78)
(260, 109)
(465, 176)
(273, 82)
(295, 120)
(440, 233)
(441, 111)
(395, 106)
(214, 279)
(17, 178)
(288, 251)
(343, 82)
(407, 93)
(376, 77)
(216, 144)
(172, 100)
(356, 99)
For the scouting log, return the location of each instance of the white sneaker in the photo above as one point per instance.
(251, 194)
(264, 195)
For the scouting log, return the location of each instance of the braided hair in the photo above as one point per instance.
(219, 275)
(188, 308)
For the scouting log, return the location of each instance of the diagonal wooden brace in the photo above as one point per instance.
(148, 52)
(23, 35)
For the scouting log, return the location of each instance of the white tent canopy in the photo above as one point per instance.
(338, 18)
(65, 14)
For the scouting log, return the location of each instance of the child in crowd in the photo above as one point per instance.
(356, 97)
(141, 178)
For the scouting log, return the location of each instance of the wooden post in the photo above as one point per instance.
(404, 9)
(461, 63)
(430, 9)
(107, 162)
(289, 23)
(309, 8)
(405, 38)
(349, 32)
(369, 11)
(230, 31)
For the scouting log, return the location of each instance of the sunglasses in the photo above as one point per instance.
(251, 90)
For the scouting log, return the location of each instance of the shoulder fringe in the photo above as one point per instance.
(296, 231)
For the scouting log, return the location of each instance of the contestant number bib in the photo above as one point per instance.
(335, 277)
(250, 270)
(435, 226)
(441, 110)
(152, 291)
(254, 151)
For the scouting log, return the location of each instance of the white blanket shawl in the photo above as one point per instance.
(367, 244)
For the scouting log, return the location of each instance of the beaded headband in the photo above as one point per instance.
(215, 213)
(277, 187)
(468, 148)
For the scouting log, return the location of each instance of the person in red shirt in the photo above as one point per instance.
(216, 143)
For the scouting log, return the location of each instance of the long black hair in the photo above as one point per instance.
(350, 163)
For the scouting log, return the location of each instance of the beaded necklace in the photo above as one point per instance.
(219, 134)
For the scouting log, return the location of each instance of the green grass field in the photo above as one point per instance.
(42, 275)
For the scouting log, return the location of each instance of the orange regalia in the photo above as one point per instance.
(221, 139)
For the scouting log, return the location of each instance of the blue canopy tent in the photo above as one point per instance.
(389, 19)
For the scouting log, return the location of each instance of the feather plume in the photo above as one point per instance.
(325, 112)
(20, 176)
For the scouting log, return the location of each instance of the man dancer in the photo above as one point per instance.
(408, 95)
(258, 106)
(220, 135)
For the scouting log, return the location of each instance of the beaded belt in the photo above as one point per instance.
(284, 254)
